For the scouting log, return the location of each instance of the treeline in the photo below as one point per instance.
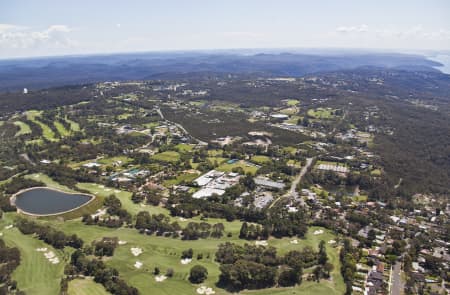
(51, 236)
(117, 216)
(258, 267)
(348, 257)
(80, 264)
(9, 260)
(279, 223)
(161, 225)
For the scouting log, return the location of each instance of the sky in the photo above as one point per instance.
(62, 27)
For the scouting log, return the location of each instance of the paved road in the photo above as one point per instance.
(397, 282)
(292, 192)
(180, 126)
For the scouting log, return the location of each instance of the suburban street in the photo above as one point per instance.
(397, 282)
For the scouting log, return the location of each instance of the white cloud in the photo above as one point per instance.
(118, 26)
(353, 29)
(19, 37)
(417, 32)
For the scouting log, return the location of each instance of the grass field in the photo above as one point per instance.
(229, 167)
(184, 148)
(86, 287)
(168, 156)
(47, 133)
(375, 172)
(48, 182)
(123, 160)
(292, 102)
(260, 160)
(289, 111)
(165, 253)
(35, 275)
(186, 177)
(24, 128)
(74, 126)
(61, 129)
(321, 113)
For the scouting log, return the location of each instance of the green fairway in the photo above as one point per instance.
(61, 129)
(48, 182)
(24, 128)
(165, 253)
(86, 287)
(245, 166)
(35, 275)
(119, 161)
(321, 113)
(74, 126)
(47, 133)
(168, 156)
(184, 148)
(292, 102)
(184, 177)
(260, 160)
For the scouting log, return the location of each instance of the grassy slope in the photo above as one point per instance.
(86, 287)
(165, 253)
(168, 156)
(24, 128)
(46, 131)
(35, 274)
(74, 126)
(61, 129)
(229, 167)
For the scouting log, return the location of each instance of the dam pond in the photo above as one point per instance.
(47, 201)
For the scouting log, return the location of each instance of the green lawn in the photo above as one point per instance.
(321, 113)
(61, 129)
(375, 172)
(86, 287)
(24, 128)
(229, 167)
(35, 275)
(289, 111)
(292, 102)
(185, 177)
(168, 156)
(184, 148)
(48, 182)
(46, 131)
(260, 159)
(165, 253)
(110, 161)
(74, 126)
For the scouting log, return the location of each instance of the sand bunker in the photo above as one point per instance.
(331, 242)
(186, 261)
(261, 243)
(138, 264)
(205, 290)
(318, 232)
(160, 278)
(294, 242)
(136, 251)
(122, 242)
(51, 257)
(9, 226)
(41, 249)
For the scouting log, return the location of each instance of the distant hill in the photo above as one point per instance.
(38, 73)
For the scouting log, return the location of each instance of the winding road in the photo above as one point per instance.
(292, 192)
